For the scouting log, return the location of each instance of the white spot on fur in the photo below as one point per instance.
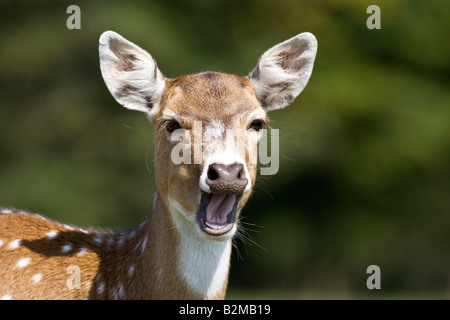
(82, 251)
(98, 239)
(131, 234)
(6, 297)
(66, 248)
(160, 273)
(22, 263)
(36, 278)
(6, 211)
(143, 245)
(1, 243)
(109, 242)
(51, 234)
(130, 270)
(120, 240)
(14, 244)
(118, 292)
(121, 290)
(101, 288)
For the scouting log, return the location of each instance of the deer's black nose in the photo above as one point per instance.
(226, 178)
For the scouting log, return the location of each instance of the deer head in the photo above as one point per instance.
(207, 128)
(206, 116)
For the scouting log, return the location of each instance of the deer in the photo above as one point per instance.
(183, 247)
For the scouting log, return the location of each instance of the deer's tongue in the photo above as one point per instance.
(219, 207)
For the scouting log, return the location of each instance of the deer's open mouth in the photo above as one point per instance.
(217, 213)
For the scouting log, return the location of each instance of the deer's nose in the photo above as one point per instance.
(226, 178)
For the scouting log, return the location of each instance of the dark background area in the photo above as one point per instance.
(364, 172)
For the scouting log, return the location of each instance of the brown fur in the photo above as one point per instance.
(200, 97)
(168, 256)
(203, 98)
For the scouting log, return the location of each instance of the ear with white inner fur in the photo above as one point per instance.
(283, 71)
(130, 73)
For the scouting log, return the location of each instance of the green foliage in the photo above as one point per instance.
(365, 150)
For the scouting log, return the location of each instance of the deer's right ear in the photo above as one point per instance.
(130, 73)
(283, 71)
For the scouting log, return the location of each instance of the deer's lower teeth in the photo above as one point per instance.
(214, 226)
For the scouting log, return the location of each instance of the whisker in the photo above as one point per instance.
(251, 241)
(237, 250)
(286, 157)
(245, 236)
(252, 224)
(146, 159)
(127, 126)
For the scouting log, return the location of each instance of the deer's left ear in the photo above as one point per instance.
(283, 71)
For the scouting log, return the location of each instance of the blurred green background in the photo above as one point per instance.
(365, 150)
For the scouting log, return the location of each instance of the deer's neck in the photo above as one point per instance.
(172, 261)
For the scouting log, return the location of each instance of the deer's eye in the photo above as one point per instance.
(256, 125)
(172, 125)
